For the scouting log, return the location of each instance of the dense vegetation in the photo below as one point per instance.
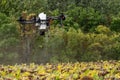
(91, 31)
(102, 70)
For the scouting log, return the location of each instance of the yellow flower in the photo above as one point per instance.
(26, 74)
(117, 75)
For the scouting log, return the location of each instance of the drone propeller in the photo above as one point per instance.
(62, 16)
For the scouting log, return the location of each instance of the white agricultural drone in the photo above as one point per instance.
(42, 22)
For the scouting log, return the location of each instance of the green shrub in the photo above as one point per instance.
(74, 45)
(115, 25)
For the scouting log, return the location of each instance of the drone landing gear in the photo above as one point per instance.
(42, 33)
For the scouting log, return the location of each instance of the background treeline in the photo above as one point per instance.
(90, 32)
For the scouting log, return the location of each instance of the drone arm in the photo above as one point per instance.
(24, 21)
(60, 18)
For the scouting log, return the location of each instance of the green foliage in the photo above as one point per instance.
(84, 14)
(115, 25)
(103, 29)
(79, 46)
(86, 36)
(62, 6)
(84, 18)
(8, 29)
(3, 19)
(12, 9)
(8, 38)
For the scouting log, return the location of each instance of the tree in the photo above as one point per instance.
(9, 39)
